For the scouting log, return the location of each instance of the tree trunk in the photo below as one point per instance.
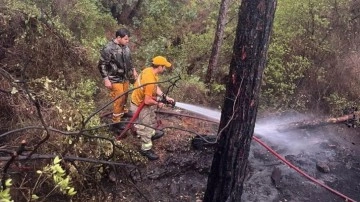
(128, 12)
(123, 11)
(225, 182)
(217, 40)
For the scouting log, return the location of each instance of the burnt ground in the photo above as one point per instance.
(329, 153)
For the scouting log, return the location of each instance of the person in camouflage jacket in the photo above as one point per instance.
(117, 70)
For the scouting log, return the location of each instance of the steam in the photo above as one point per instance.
(292, 141)
(267, 129)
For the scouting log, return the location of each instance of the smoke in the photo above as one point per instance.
(291, 141)
(295, 141)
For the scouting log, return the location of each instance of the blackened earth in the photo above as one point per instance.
(328, 153)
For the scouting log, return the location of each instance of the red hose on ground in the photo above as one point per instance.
(133, 118)
(136, 114)
(302, 172)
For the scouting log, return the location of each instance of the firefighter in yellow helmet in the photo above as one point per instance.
(147, 95)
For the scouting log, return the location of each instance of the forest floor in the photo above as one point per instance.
(330, 154)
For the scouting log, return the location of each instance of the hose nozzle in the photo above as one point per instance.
(172, 104)
(166, 102)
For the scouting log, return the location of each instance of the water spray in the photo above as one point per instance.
(209, 113)
(264, 129)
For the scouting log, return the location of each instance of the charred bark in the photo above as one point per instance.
(225, 182)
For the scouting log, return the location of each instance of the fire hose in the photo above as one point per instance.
(282, 159)
(136, 115)
(129, 124)
(302, 172)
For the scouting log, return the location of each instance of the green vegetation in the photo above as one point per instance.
(5, 193)
(306, 56)
(56, 173)
(49, 51)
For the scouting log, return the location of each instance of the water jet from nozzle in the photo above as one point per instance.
(206, 112)
(293, 141)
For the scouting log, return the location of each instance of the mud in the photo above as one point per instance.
(181, 172)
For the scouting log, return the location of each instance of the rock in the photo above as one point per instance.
(275, 177)
(174, 189)
(112, 176)
(322, 167)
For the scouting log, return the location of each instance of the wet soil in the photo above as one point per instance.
(330, 153)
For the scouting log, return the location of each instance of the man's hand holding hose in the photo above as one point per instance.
(165, 100)
(169, 100)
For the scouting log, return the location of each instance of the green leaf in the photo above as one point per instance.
(34, 197)
(8, 182)
(57, 169)
(64, 183)
(57, 160)
(71, 192)
(56, 179)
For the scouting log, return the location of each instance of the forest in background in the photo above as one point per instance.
(49, 51)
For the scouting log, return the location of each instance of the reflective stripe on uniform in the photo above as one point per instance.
(145, 134)
(146, 146)
(120, 114)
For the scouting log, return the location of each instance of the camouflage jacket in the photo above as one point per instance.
(116, 63)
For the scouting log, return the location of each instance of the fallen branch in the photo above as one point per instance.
(349, 119)
(67, 158)
(10, 160)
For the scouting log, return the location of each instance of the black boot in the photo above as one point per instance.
(158, 134)
(129, 114)
(150, 154)
(117, 127)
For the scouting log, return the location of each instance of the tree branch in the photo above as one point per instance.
(10, 160)
(66, 158)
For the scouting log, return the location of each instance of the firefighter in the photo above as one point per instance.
(146, 96)
(116, 68)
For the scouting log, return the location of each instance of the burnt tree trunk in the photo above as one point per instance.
(219, 32)
(225, 182)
